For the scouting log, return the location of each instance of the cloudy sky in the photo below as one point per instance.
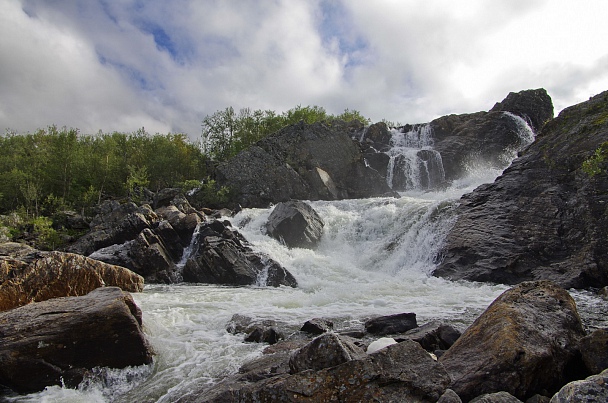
(164, 65)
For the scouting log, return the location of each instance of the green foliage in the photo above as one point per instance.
(55, 169)
(226, 132)
(595, 164)
(46, 236)
(212, 195)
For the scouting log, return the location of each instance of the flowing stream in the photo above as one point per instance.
(375, 258)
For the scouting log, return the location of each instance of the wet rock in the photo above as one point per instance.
(256, 330)
(534, 106)
(301, 162)
(317, 326)
(391, 324)
(324, 351)
(545, 217)
(28, 275)
(402, 372)
(223, 256)
(594, 349)
(592, 389)
(146, 255)
(523, 344)
(296, 224)
(59, 340)
(434, 336)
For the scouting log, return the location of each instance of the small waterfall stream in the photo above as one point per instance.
(414, 164)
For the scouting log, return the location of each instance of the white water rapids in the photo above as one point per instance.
(375, 258)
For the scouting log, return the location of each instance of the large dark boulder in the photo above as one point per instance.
(296, 224)
(60, 340)
(223, 256)
(534, 106)
(525, 343)
(402, 372)
(545, 217)
(305, 162)
(28, 275)
(594, 349)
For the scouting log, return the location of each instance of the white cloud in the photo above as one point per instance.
(121, 65)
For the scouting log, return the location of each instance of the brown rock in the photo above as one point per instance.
(522, 344)
(59, 340)
(594, 349)
(29, 276)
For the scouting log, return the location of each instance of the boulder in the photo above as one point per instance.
(592, 389)
(391, 324)
(545, 217)
(115, 224)
(223, 256)
(534, 106)
(296, 224)
(28, 275)
(59, 340)
(434, 336)
(317, 326)
(524, 343)
(257, 331)
(402, 372)
(594, 349)
(316, 161)
(327, 350)
(146, 255)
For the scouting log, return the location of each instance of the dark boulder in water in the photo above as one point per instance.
(223, 256)
(545, 217)
(525, 343)
(60, 340)
(296, 224)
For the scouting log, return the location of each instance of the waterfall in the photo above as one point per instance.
(413, 164)
(190, 250)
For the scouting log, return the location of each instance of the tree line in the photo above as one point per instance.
(57, 168)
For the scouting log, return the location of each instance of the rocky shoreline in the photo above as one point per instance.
(541, 227)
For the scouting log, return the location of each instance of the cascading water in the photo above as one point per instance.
(413, 164)
(375, 258)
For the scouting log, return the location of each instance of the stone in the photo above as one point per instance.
(594, 349)
(391, 324)
(146, 255)
(317, 326)
(296, 224)
(402, 372)
(28, 275)
(434, 336)
(524, 344)
(116, 224)
(59, 340)
(327, 350)
(592, 389)
(544, 218)
(223, 256)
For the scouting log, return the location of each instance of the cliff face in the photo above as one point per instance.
(545, 217)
